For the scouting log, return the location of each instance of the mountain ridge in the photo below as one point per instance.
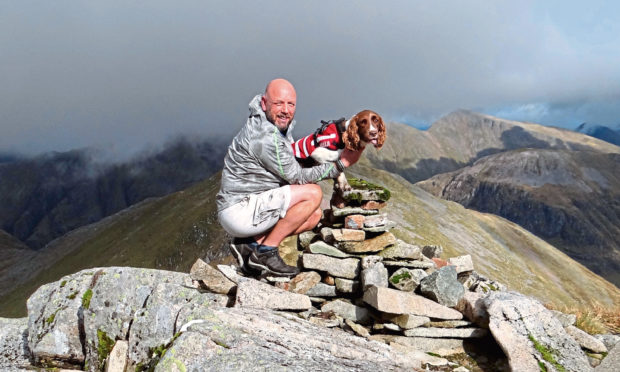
(569, 198)
(171, 232)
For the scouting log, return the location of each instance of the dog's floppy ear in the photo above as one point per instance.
(382, 132)
(351, 137)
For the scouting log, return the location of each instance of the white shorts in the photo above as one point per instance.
(256, 213)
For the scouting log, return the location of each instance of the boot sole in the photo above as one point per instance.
(241, 262)
(238, 254)
(261, 267)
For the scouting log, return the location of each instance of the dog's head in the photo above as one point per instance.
(366, 127)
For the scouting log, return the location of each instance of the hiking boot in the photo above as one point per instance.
(271, 262)
(241, 249)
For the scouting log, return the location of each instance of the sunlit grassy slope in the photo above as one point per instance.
(172, 231)
(167, 233)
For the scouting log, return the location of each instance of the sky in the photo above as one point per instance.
(124, 76)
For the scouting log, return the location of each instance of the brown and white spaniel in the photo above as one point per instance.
(326, 144)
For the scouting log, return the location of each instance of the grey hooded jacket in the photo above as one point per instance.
(261, 158)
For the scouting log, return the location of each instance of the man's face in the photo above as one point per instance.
(279, 105)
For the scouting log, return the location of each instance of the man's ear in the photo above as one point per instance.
(263, 103)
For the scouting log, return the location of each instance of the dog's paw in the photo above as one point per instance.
(342, 183)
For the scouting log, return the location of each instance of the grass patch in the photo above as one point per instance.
(104, 347)
(547, 354)
(86, 297)
(593, 319)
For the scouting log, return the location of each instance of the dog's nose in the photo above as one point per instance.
(373, 133)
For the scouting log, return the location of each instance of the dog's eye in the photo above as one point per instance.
(374, 119)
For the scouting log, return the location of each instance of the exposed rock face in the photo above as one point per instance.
(375, 244)
(585, 340)
(402, 250)
(461, 263)
(347, 311)
(252, 293)
(55, 311)
(100, 305)
(376, 275)
(556, 194)
(398, 302)
(611, 362)
(407, 279)
(304, 281)
(14, 351)
(345, 268)
(432, 251)
(530, 335)
(442, 286)
(239, 339)
(211, 278)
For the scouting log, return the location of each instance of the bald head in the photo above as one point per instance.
(279, 102)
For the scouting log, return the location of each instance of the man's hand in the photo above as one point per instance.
(349, 157)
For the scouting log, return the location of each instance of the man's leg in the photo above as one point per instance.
(303, 214)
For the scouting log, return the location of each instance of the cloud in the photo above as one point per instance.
(123, 75)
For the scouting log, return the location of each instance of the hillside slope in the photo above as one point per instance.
(172, 231)
(166, 233)
(460, 138)
(44, 197)
(569, 198)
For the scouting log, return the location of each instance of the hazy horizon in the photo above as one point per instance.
(125, 77)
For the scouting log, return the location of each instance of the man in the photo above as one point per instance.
(265, 195)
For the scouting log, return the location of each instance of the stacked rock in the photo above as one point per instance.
(366, 280)
(358, 276)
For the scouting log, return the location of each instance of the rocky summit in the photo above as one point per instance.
(389, 307)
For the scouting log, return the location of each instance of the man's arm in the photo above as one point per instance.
(277, 157)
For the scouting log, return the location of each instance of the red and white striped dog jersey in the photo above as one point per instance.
(329, 138)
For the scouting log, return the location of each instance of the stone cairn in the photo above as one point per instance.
(356, 275)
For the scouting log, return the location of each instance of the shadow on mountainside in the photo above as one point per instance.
(44, 197)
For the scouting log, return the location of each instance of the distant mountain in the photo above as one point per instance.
(172, 231)
(44, 197)
(569, 198)
(8, 157)
(604, 133)
(462, 137)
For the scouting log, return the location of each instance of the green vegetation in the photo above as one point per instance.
(547, 354)
(86, 297)
(63, 283)
(397, 278)
(104, 346)
(360, 184)
(593, 319)
(156, 354)
(72, 295)
(51, 318)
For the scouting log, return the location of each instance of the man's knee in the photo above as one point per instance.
(310, 192)
(314, 192)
